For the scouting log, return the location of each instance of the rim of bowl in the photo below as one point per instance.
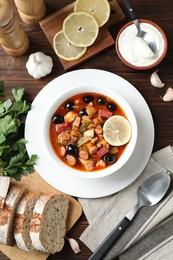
(142, 67)
(128, 150)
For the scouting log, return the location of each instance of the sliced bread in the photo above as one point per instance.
(48, 223)
(7, 215)
(22, 221)
(4, 186)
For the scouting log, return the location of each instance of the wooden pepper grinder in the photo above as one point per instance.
(31, 11)
(13, 38)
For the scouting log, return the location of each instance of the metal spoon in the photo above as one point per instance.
(144, 35)
(149, 193)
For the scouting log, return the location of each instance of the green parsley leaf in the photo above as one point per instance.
(14, 159)
(18, 93)
(9, 125)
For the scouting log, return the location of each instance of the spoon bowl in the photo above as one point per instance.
(152, 190)
(146, 37)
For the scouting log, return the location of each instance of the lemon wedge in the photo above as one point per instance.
(80, 29)
(117, 130)
(100, 9)
(65, 50)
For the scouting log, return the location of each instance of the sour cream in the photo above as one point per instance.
(135, 50)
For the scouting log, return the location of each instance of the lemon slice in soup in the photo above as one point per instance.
(117, 130)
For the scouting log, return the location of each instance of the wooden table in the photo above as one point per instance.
(13, 73)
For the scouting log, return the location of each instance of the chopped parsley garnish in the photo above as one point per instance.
(14, 159)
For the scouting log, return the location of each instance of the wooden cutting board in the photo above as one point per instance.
(34, 182)
(53, 24)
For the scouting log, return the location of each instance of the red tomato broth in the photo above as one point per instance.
(78, 105)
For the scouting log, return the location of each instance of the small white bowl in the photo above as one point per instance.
(128, 150)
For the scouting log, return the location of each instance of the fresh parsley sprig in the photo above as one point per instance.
(14, 159)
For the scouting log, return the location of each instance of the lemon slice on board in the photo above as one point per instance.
(100, 9)
(65, 50)
(80, 29)
(117, 130)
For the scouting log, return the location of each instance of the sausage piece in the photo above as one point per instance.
(71, 160)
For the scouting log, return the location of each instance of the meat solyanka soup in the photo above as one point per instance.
(76, 132)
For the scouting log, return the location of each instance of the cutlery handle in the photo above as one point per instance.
(130, 9)
(109, 241)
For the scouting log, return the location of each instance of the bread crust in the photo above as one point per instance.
(7, 215)
(20, 218)
(4, 184)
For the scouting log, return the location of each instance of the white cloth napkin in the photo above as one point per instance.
(104, 214)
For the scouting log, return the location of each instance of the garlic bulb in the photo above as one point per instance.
(39, 65)
(155, 80)
(168, 95)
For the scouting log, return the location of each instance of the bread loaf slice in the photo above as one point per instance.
(22, 220)
(48, 223)
(4, 186)
(7, 215)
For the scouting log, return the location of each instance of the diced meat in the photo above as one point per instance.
(91, 148)
(91, 126)
(88, 164)
(104, 113)
(102, 151)
(94, 140)
(89, 133)
(74, 135)
(104, 143)
(83, 154)
(76, 122)
(70, 117)
(71, 160)
(97, 120)
(62, 127)
(98, 130)
(101, 164)
(98, 144)
(91, 111)
(74, 139)
(63, 138)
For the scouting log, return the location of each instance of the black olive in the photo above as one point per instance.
(69, 105)
(101, 100)
(88, 98)
(72, 149)
(109, 158)
(83, 112)
(58, 119)
(111, 106)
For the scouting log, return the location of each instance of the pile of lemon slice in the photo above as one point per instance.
(80, 28)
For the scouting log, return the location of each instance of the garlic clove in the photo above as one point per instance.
(168, 95)
(155, 80)
(74, 245)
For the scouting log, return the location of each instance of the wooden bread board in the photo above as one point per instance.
(53, 24)
(34, 182)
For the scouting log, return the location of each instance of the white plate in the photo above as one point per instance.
(83, 187)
